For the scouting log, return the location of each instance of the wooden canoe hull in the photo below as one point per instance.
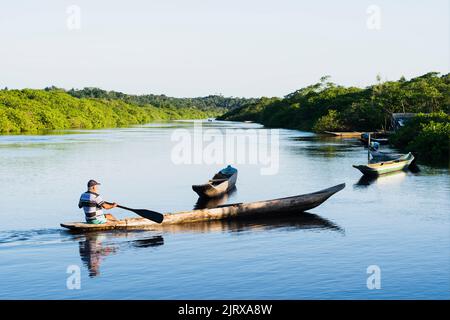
(209, 190)
(381, 168)
(257, 209)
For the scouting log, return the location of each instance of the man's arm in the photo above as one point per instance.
(107, 205)
(104, 204)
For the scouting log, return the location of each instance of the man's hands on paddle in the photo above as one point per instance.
(108, 205)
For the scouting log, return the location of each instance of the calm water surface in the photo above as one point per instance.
(399, 222)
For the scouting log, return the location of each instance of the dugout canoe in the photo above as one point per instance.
(217, 186)
(257, 209)
(376, 169)
(379, 156)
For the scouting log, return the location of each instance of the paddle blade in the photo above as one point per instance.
(150, 215)
(147, 214)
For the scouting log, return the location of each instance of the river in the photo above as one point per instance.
(398, 225)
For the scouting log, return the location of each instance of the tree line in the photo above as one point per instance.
(326, 106)
(218, 103)
(31, 110)
(323, 106)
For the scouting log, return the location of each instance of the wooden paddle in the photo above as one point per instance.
(147, 214)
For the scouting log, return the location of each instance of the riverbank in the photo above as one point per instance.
(32, 110)
(427, 136)
(325, 106)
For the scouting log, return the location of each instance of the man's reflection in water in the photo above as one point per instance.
(92, 250)
(94, 247)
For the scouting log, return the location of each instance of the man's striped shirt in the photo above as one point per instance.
(91, 203)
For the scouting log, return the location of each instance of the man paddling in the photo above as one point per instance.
(92, 204)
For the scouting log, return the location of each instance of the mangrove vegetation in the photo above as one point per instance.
(326, 106)
(31, 110)
(215, 103)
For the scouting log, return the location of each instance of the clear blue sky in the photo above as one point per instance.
(233, 47)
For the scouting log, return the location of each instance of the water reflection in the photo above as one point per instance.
(148, 242)
(413, 167)
(288, 221)
(92, 251)
(329, 150)
(321, 138)
(324, 146)
(385, 179)
(95, 247)
(203, 203)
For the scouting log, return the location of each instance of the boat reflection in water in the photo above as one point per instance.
(288, 221)
(385, 179)
(96, 246)
(148, 242)
(203, 203)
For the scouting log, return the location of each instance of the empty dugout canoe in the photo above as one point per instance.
(217, 186)
(376, 169)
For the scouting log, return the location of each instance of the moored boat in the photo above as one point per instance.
(379, 168)
(222, 182)
(299, 203)
(383, 156)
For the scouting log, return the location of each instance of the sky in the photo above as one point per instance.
(242, 48)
